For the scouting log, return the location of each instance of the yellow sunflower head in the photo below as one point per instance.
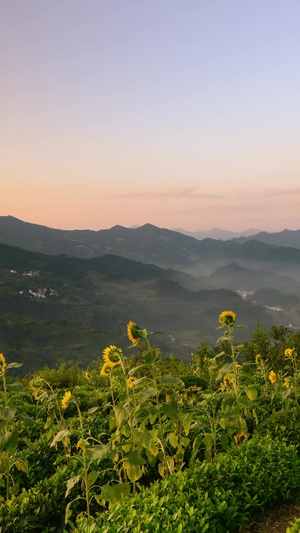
(130, 381)
(227, 318)
(272, 376)
(112, 355)
(288, 352)
(36, 396)
(3, 364)
(34, 385)
(258, 358)
(286, 383)
(87, 375)
(134, 333)
(66, 399)
(105, 370)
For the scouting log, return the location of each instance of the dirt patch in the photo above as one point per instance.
(275, 521)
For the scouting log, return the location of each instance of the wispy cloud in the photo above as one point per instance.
(238, 208)
(181, 192)
(281, 192)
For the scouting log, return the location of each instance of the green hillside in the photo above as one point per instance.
(54, 307)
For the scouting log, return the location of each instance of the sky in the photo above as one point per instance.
(181, 113)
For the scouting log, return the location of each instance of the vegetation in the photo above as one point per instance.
(139, 442)
(61, 308)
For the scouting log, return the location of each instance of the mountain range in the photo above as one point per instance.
(76, 294)
(218, 234)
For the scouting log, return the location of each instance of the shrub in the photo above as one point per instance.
(190, 381)
(39, 508)
(214, 496)
(284, 425)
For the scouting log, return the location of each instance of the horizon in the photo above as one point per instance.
(134, 226)
(120, 113)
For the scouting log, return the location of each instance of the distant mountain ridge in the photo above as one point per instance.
(286, 237)
(219, 234)
(148, 244)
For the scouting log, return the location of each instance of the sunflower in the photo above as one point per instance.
(272, 376)
(112, 355)
(3, 364)
(227, 318)
(34, 387)
(79, 445)
(66, 399)
(105, 370)
(130, 381)
(229, 378)
(288, 352)
(87, 375)
(133, 332)
(257, 358)
(286, 383)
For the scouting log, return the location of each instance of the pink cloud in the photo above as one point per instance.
(181, 192)
(281, 192)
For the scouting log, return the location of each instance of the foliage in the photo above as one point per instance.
(283, 424)
(40, 507)
(214, 496)
(198, 440)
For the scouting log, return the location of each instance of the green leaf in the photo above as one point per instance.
(92, 477)
(120, 414)
(147, 439)
(170, 410)
(14, 365)
(223, 423)
(248, 413)
(207, 439)
(15, 387)
(134, 370)
(185, 441)
(255, 416)
(170, 380)
(59, 436)
(115, 493)
(9, 441)
(138, 381)
(7, 413)
(225, 369)
(97, 453)
(22, 466)
(173, 439)
(186, 426)
(148, 393)
(224, 441)
(26, 419)
(251, 393)
(219, 354)
(134, 472)
(92, 410)
(71, 483)
(244, 400)
(150, 356)
(135, 459)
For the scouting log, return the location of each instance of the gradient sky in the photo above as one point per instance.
(182, 113)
